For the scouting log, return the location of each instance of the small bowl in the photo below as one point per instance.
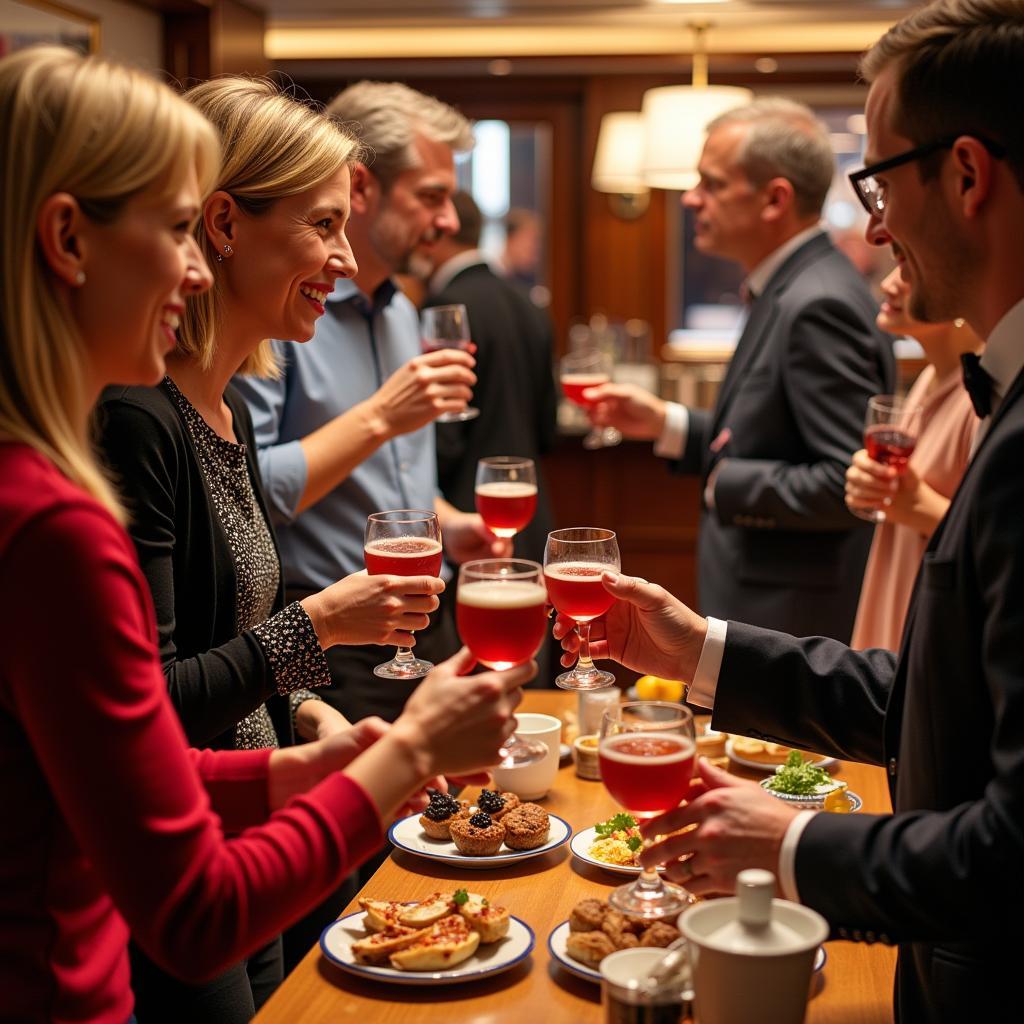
(807, 801)
(584, 752)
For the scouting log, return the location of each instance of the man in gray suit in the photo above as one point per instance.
(777, 545)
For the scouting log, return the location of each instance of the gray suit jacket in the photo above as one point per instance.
(944, 875)
(780, 548)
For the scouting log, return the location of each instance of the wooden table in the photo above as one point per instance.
(854, 988)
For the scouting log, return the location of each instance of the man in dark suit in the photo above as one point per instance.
(515, 386)
(942, 876)
(777, 545)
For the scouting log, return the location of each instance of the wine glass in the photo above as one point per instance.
(891, 427)
(573, 562)
(647, 752)
(506, 493)
(447, 327)
(501, 614)
(579, 371)
(403, 542)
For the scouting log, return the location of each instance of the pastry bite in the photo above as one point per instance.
(377, 947)
(588, 915)
(496, 803)
(489, 922)
(446, 943)
(442, 810)
(381, 914)
(764, 752)
(660, 934)
(427, 911)
(478, 835)
(595, 930)
(526, 827)
(589, 948)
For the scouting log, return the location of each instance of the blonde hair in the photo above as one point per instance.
(388, 116)
(103, 133)
(275, 145)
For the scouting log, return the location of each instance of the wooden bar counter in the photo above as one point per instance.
(855, 986)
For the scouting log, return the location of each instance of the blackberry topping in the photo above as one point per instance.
(480, 820)
(490, 801)
(441, 806)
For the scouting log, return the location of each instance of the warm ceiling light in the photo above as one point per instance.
(618, 163)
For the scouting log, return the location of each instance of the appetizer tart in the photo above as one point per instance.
(377, 947)
(526, 827)
(478, 836)
(442, 810)
(491, 922)
(495, 803)
(446, 943)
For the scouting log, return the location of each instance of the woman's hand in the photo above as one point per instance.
(316, 720)
(904, 498)
(363, 609)
(466, 537)
(647, 630)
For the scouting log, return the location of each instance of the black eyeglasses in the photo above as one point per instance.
(872, 195)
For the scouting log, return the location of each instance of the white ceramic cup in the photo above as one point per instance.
(737, 988)
(532, 781)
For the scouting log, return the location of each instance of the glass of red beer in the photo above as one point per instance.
(506, 493)
(647, 752)
(579, 371)
(403, 542)
(891, 426)
(574, 560)
(501, 614)
(447, 327)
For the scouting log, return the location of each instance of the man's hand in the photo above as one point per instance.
(647, 630)
(421, 390)
(631, 409)
(738, 825)
(466, 537)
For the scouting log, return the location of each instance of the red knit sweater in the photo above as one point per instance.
(110, 822)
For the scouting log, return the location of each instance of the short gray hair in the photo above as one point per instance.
(785, 140)
(387, 117)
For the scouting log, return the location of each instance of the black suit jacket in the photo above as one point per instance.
(943, 876)
(780, 549)
(515, 393)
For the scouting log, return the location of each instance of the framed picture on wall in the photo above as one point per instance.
(30, 22)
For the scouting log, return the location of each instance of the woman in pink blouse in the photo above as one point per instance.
(110, 822)
(916, 501)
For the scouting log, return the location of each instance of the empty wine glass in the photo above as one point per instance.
(574, 560)
(403, 542)
(579, 371)
(447, 327)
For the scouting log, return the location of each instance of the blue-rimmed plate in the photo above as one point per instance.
(584, 840)
(336, 944)
(557, 948)
(407, 834)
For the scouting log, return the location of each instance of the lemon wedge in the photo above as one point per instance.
(838, 802)
(656, 688)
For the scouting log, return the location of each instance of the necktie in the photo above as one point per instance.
(978, 384)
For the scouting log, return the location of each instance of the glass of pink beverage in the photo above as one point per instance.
(647, 752)
(574, 560)
(447, 327)
(501, 614)
(404, 542)
(891, 426)
(579, 371)
(506, 493)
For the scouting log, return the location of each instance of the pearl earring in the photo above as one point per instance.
(80, 278)
(958, 322)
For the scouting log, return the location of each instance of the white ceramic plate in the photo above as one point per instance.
(580, 846)
(407, 834)
(768, 769)
(336, 944)
(556, 947)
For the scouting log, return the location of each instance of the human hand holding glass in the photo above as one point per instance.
(501, 614)
(447, 327)
(577, 373)
(506, 493)
(403, 542)
(647, 751)
(574, 560)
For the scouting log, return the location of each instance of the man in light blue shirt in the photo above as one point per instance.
(347, 429)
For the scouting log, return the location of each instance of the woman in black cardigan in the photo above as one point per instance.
(240, 663)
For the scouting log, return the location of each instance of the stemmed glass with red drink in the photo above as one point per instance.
(501, 614)
(506, 493)
(579, 371)
(447, 327)
(403, 542)
(891, 427)
(647, 752)
(574, 560)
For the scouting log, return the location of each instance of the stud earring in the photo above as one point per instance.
(958, 322)
(217, 256)
(80, 278)
(228, 251)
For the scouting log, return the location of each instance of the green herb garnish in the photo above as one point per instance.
(460, 897)
(620, 823)
(798, 777)
(634, 843)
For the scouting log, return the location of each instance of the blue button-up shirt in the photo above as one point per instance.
(358, 344)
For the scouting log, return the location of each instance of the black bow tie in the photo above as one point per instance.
(978, 384)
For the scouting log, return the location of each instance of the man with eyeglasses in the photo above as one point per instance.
(943, 876)
(777, 545)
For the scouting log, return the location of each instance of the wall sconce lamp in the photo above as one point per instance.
(618, 165)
